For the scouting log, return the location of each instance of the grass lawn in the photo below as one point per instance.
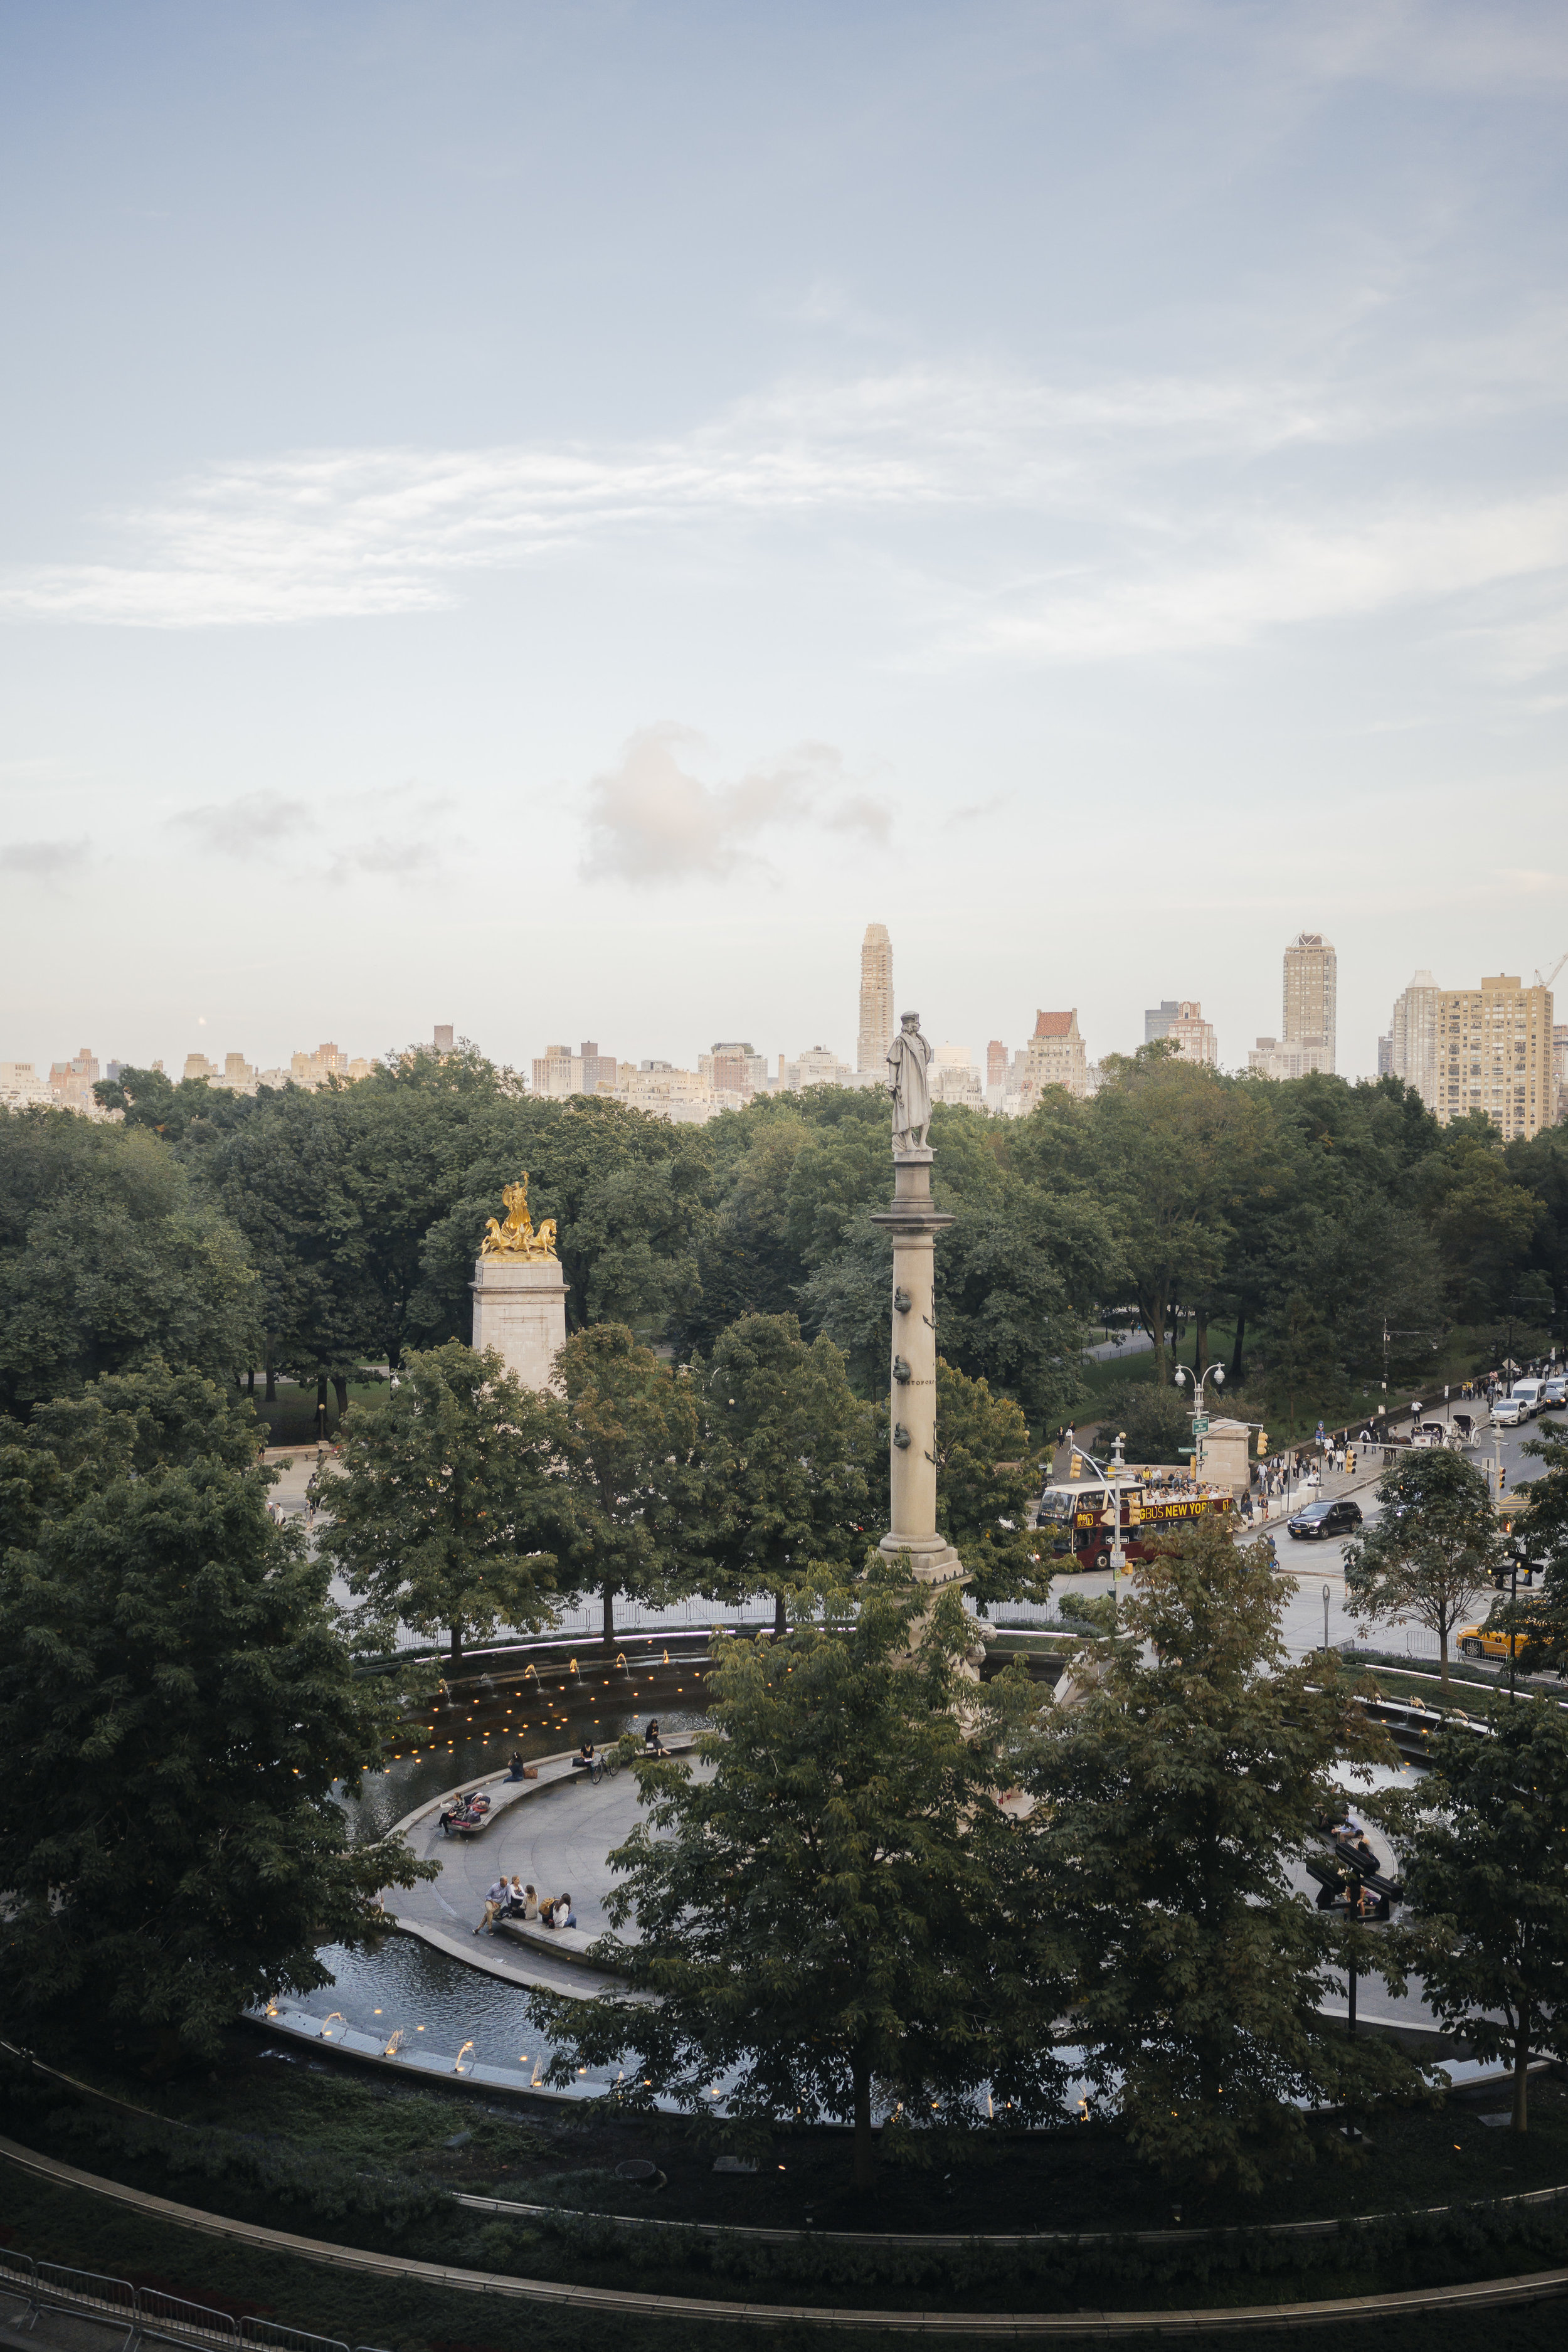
(290, 1419)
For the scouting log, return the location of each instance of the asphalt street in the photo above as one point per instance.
(1313, 1564)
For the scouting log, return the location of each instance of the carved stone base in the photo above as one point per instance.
(520, 1310)
(934, 1562)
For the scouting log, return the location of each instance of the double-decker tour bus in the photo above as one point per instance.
(1079, 1525)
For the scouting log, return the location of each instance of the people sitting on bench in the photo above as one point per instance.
(514, 1767)
(495, 1903)
(584, 1759)
(467, 1814)
(557, 1913)
(652, 1744)
(524, 1903)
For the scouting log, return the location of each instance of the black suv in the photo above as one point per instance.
(1322, 1519)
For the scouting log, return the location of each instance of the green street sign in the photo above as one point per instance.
(1200, 1425)
(1186, 1449)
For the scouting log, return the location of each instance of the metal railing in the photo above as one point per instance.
(149, 2315)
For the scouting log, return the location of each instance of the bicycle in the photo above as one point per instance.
(607, 1761)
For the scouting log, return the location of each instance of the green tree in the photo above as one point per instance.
(177, 1708)
(1485, 1858)
(1483, 1219)
(1299, 1355)
(986, 1481)
(1541, 1527)
(110, 1256)
(788, 1462)
(1173, 1795)
(630, 1478)
(1160, 1145)
(1433, 1551)
(1157, 1423)
(438, 1514)
(828, 1913)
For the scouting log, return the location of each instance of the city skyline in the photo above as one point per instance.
(1309, 994)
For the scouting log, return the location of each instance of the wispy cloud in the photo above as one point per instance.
(50, 861)
(1115, 515)
(651, 819)
(247, 826)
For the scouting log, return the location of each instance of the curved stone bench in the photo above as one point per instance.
(574, 1941)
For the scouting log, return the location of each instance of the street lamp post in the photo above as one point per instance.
(1196, 1381)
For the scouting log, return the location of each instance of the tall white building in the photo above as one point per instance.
(1312, 993)
(1310, 1012)
(1413, 1033)
(877, 1020)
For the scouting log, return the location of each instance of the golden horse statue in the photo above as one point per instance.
(517, 1237)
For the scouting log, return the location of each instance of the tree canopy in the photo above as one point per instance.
(177, 1705)
(791, 1462)
(827, 1907)
(1433, 1551)
(1172, 1797)
(1485, 1859)
(438, 1509)
(110, 1254)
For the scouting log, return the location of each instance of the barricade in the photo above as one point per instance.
(289, 2339)
(170, 2319)
(57, 2287)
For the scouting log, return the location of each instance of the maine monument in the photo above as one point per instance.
(520, 1295)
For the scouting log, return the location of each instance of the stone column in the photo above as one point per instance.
(915, 1224)
(520, 1310)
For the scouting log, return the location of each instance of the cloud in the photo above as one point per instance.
(397, 861)
(1267, 573)
(343, 532)
(1046, 521)
(650, 819)
(976, 812)
(246, 828)
(50, 861)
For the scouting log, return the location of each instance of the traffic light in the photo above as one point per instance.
(1350, 1462)
(1501, 1477)
(1076, 1468)
(1262, 1443)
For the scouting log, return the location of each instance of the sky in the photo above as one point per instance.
(551, 518)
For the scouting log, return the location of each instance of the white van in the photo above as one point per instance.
(1527, 1395)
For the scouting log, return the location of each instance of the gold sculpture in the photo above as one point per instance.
(517, 1237)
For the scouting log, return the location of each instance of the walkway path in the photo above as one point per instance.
(557, 1839)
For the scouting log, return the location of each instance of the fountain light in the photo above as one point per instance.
(335, 2018)
(458, 2060)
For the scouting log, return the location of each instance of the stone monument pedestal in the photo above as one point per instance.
(520, 1310)
(915, 1224)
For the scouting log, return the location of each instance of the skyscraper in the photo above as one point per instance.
(877, 1023)
(1157, 1018)
(1312, 990)
(1415, 1039)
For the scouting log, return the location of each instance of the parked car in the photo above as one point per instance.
(1320, 1521)
(1508, 1413)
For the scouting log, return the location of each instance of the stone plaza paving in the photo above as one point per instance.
(556, 1834)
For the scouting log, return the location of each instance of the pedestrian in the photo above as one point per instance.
(496, 1902)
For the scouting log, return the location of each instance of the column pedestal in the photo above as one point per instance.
(915, 1224)
(520, 1310)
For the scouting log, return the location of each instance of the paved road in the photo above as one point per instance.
(1314, 1564)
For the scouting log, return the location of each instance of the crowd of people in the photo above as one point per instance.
(509, 1899)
